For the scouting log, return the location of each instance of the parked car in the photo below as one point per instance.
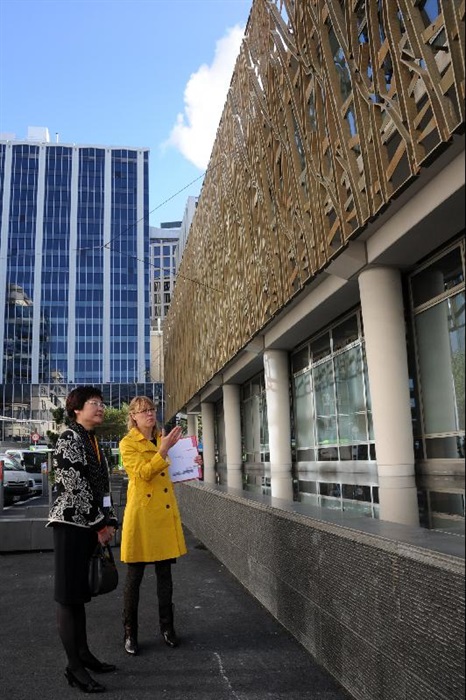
(32, 461)
(15, 480)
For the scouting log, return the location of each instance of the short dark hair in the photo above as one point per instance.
(78, 397)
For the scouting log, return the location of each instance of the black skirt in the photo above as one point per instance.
(73, 547)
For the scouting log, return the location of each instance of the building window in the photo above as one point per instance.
(254, 419)
(438, 315)
(332, 409)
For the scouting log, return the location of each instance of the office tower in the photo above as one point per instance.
(167, 244)
(74, 273)
(163, 248)
(188, 216)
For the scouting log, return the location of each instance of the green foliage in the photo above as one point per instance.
(113, 428)
(52, 437)
(115, 424)
(59, 416)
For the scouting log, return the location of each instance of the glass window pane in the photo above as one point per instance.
(254, 417)
(450, 503)
(303, 413)
(350, 397)
(356, 492)
(264, 428)
(307, 487)
(345, 333)
(445, 447)
(332, 503)
(443, 274)
(300, 360)
(326, 422)
(331, 489)
(359, 508)
(320, 347)
(248, 429)
(440, 338)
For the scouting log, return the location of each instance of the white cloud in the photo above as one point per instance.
(204, 97)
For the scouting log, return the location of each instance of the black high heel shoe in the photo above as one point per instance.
(99, 666)
(91, 687)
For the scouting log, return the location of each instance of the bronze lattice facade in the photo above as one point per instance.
(334, 108)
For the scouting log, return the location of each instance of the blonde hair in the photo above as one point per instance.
(140, 403)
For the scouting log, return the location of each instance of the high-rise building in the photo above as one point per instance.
(188, 216)
(163, 250)
(167, 244)
(74, 273)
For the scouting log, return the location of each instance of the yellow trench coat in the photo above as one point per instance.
(152, 528)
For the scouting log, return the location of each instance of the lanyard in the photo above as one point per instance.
(95, 446)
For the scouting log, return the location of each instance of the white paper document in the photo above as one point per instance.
(182, 455)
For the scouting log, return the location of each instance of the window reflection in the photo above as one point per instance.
(441, 352)
(360, 498)
(440, 276)
(254, 421)
(324, 388)
(332, 409)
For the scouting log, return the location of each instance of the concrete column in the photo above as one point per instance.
(278, 413)
(208, 441)
(232, 417)
(387, 364)
(192, 424)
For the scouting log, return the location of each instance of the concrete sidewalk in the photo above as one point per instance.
(231, 647)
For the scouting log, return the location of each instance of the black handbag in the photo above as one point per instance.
(103, 573)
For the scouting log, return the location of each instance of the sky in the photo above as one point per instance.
(138, 73)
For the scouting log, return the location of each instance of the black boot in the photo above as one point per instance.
(166, 626)
(134, 575)
(131, 640)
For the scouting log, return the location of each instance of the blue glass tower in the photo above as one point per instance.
(74, 278)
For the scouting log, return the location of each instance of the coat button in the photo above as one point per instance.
(162, 474)
(167, 506)
(165, 490)
(148, 495)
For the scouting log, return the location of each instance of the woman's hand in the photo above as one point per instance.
(169, 440)
(106, 534)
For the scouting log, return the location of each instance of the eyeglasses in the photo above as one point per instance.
(146, 411)
(98, 404)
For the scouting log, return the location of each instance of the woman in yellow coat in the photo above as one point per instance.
(152, 531)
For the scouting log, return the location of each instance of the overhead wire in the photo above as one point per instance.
(178, 274)
(128, 228)
(108, 245)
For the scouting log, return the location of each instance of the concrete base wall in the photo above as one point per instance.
(26, 534)
(386, 619)
(22, 528)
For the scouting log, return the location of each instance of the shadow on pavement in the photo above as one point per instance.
(231, 647)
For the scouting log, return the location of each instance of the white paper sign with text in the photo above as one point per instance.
(182, 455)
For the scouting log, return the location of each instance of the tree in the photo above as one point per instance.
(113, 428)
(115, 424)
(60, 418)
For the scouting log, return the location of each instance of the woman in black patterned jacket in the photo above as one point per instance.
(81, 515)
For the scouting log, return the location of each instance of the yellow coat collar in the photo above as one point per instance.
(136, 435)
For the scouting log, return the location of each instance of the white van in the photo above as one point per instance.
(15, 480)
(34, 461)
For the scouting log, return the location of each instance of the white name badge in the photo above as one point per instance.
(107, 501)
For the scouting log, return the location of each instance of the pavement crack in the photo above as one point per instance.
(224, 676)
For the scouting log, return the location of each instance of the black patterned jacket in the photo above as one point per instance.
(82, 482)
